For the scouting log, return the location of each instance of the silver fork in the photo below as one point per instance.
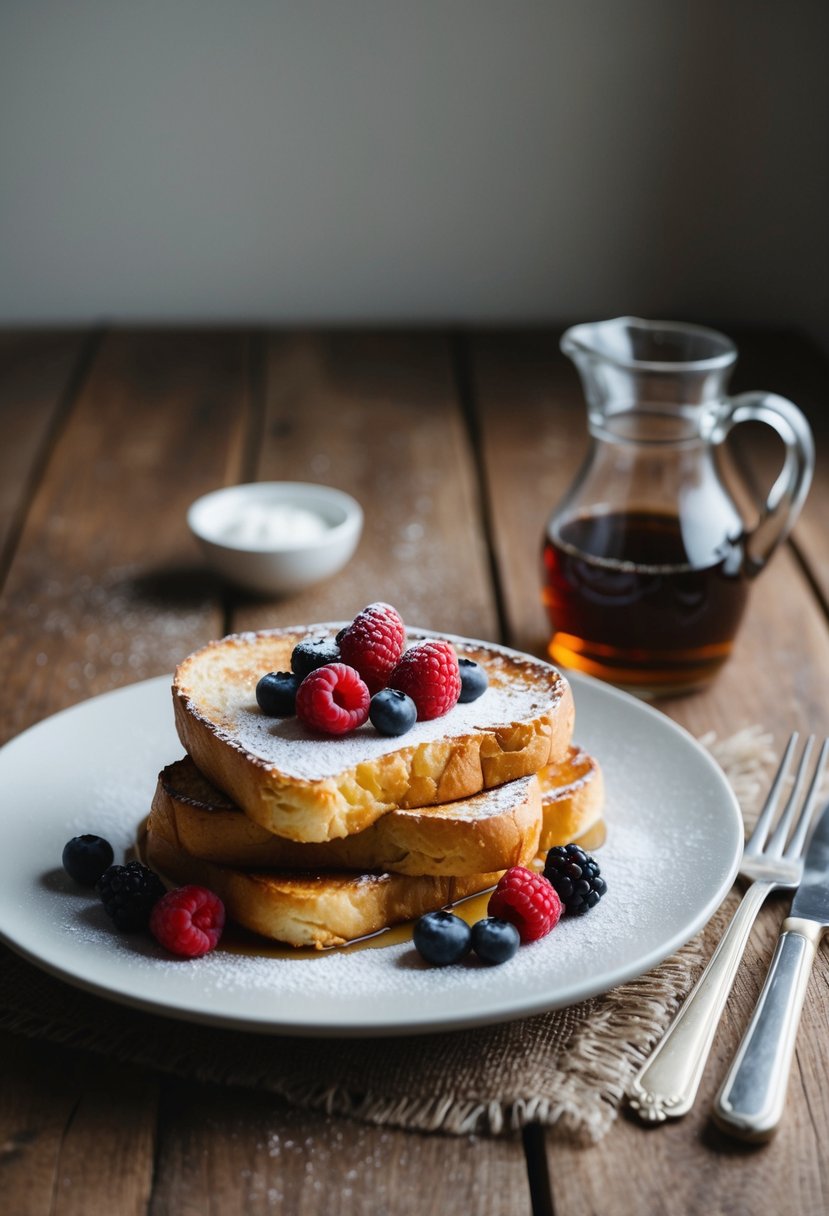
(667, 1084)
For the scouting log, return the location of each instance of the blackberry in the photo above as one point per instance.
(276, 694)
(474, 680)
(312, 653)
(576, 878)
(129, 894)
(86, 857)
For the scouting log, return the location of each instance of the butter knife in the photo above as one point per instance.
(752, 1097)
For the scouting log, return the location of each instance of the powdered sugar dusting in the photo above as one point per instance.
(397, 970)
(520, 688)
(671, 852)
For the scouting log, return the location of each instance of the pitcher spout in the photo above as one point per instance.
(635, 344)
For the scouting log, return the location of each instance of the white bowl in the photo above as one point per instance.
(275, 537)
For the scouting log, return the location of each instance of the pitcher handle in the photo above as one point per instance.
(786, 497)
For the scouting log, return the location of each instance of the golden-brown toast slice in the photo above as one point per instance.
(310, 787)
(572, 798)
(489, 831)
(326, 909)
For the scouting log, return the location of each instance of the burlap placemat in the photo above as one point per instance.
(568, 1069)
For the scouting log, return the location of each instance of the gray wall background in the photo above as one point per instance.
(465, 160)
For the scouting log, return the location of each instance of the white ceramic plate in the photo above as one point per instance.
(674, 840)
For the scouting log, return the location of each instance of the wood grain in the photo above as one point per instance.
(76, 1133)
(377, 415)
(37, 372)
(232, 1154)
(106, 587)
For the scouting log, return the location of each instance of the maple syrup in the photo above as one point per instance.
(236, 940)
(633, 600)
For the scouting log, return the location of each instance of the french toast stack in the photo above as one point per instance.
(315, 840)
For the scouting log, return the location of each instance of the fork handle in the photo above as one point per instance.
(667, 1084)
(751, 1100)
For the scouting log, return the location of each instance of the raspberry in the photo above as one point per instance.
(429, 674)
(528, 900)
(188, 921)
(373, 643)
(333, 699)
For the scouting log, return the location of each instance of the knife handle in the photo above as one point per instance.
(752, 1096)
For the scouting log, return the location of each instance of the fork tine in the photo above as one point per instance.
(757, 838)
(795, 845)
(777, 840)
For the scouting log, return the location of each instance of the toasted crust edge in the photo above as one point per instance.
(312, 910)
(415, 776)
(574, 806)
(435, 841)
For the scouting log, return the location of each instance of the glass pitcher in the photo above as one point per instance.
(647, 559)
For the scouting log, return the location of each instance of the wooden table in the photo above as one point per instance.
(457, 445)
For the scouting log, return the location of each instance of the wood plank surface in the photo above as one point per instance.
(101, 593)
(777, 678)
(38, 373)
(231, 1153)
(377, 415)
(106, 587)
(163, 418)
(76, 1132)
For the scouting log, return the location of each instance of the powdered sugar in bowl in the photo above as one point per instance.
(276, 537)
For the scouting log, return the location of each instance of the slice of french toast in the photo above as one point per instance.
(324, 909)
(496, 828)
(572, 798)
(306, 786)
(489, 831)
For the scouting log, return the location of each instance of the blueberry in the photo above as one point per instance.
(312, 653)
(495, 941)
(474, 680)
(392, 712)
(442, 938)
(86, 857)
(276, 693)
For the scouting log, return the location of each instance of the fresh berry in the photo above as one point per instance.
(86, 857)
(129, 893)
(392, 712)
(474, 680)
(576, 877)
(442, 938)
(312, 653)
(429, 674)
(495, 941)
(528, 900)
(333, 699)
(373, 643)
(276, 693)
(188, 921)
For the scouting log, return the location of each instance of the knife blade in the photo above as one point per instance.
(752, 1097)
